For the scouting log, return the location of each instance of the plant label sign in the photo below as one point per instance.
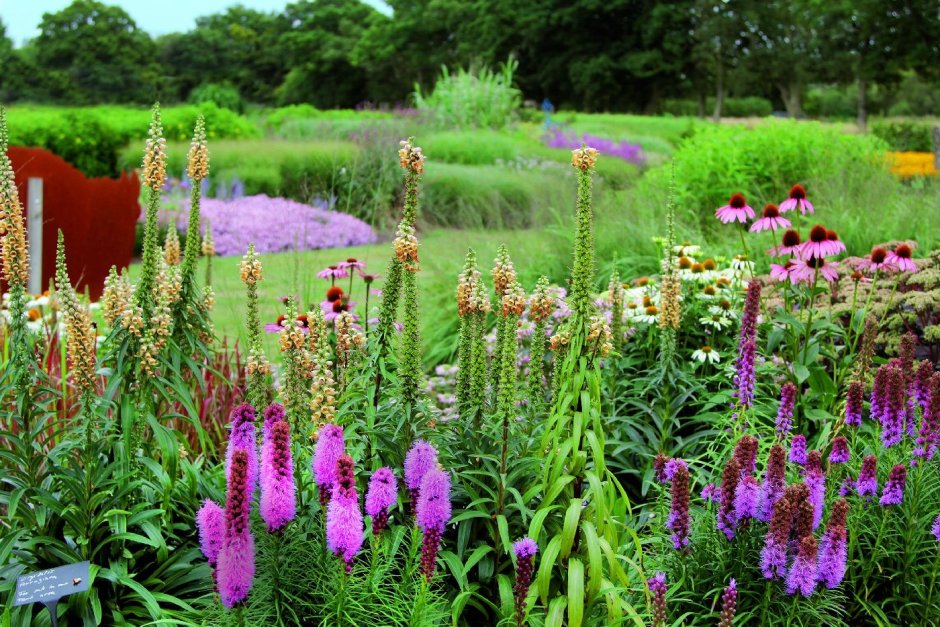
(48, 586)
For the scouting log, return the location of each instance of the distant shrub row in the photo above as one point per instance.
(732, 107)
(904, 135)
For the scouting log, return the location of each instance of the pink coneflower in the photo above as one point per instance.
(785, 272)
(818, 245)
(352, 262)
(878, 260)
(837, 245)
(790, 244)
(797, 200)
(334, 294)
(900, 258)
(805, 269)
(736, 210)
(333, 273)
(770, 219)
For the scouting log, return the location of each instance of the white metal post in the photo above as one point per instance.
(34, 231)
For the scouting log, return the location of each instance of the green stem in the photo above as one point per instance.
(811, 305)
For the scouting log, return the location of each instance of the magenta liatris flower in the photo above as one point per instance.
(893, 492)
(770, 220)
(678, 521)
(344, 526)
(382, 494)
(242, 436)
(867, 484)
(278, 495)
(798, 450)
(330, 447)
(737, 210)
(525, 550)
(785, 411)
(802, 575)
(730, 478)
(745, 498)
(816, 482)
(774, 482)
(673, 465)
(797, 200)
(729, 604)
(847, 487)
(921, 385)
(659, 466)
(853, 404)
(747, 346)
(421, 458)
(774, 554)
(879, 393)
(840, 450)
(274, 413)
(236, 563)
(432, 515)
(893, 412)
(657, 586)
(929, 433)
(935, 530)
(711, 493)
(210, 520)
(745, 452)
(832, 547)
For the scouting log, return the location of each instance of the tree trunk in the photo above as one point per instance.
(792, 95)
(719, 91)
(862, 119)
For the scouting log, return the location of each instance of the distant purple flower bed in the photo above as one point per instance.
(278, 224)
(633, 153)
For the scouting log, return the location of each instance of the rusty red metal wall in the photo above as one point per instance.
(97, 216)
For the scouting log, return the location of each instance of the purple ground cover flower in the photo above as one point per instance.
(279, 224)
(382, 494)
(621, 150)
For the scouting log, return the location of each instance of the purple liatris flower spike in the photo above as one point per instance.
(236, 564)
(867, 484)
(921, 385)
(832, 547)
(420, 459)
(242, 436)
(847, 487)
(745, 498)
(774, 483)
(730, 478)
(893, 413)
(210, 519)
(674, 464)
(935, 530)
(879, 393)
(382, 494)
(840, 450)
(893, 492)
(816, 482)
(798, 450)
(330, 447)
(747, 346)
(657, 585)
(802, 575)
(525, 550)
(774, 554)
(344, 526)
(745, 452)
(678, 521)
(432, 514)
(278, 495)
(711, 493)
(854, 399)
(785, 412)
(729, 604)
(659, 466)
(930, 422)
(274, 413)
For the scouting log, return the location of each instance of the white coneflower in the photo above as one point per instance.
(717, 321)
(706, 354)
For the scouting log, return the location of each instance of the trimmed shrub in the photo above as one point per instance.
(904, 135)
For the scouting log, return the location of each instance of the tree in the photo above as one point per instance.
(90, 52)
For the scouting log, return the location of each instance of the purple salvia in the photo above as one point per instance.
(854, 400)
(382, 494)
(729, 604)
(774, 483)
(432, 515)
(867, 483)
(785, 411)
(832, 547)
(802, 575)
(330, 447)
(798, 450)
(816, 482)
(840, 450)
(893, 492)
(274, 413)
(678, 521)
(525, 550)
(745, 499)
(210, 520)
(344, 526)
(421, 458)
(657, 586)
(242, 436)
(236, 563)
(278, 504)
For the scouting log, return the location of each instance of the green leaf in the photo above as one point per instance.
(575, 592)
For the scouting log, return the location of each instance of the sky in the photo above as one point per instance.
(158, 17)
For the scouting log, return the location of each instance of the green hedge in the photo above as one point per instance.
(749, 107)
(92, 138)
(904, 135)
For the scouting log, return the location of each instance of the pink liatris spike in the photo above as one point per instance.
(382, 494)
(344, 526)
(236, 565)
(330, 446)
(432, 514)
(278, 495)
